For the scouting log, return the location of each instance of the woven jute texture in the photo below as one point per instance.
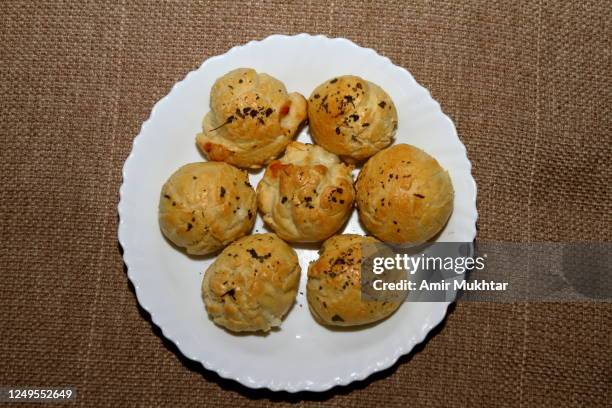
(528, 84)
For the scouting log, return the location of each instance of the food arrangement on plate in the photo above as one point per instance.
(307, 193)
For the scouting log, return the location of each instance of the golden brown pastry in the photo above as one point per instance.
(251, 119)
(205, 206)
(403, 195)
(334, 285)
(307, 195)
(252, 283)
(351, 117)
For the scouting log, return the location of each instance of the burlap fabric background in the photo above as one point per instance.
(528, 85)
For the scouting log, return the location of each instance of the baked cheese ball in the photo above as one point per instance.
(307, 195)
(404, 195)
(252, 284)
(351, 117)
(205, 206)
(252, 118)
(334, 285)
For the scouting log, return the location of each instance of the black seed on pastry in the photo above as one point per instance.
(240, 81)
(337, 130)
(317, 96)
(231, 292)
(337, 318)
(260, 258)
(419, 195)
(167, 196)
(222, 194)
(284, 200)
(189, 226)
(382, 104)
(365, 125)
(228, 120)
(333, 81)
(269, 111)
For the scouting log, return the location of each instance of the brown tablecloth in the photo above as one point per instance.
(529, 86)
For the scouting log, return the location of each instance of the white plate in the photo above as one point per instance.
(302, 355)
